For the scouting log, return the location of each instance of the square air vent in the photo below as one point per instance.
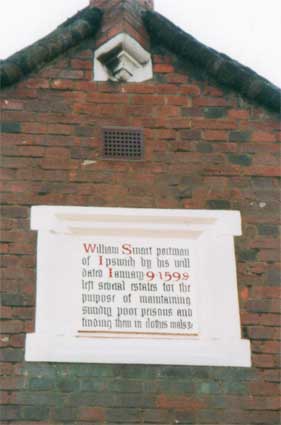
(122, 143)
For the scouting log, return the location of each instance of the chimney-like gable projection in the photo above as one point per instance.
(123, 44)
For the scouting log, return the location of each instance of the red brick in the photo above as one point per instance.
(263, 137)
(4, 248)
(213, 124)
(210, 101)
(213, 91)
(18, 341)
(178, 100)
(6, 397)
(147, 99)
(4, 340)
(57, 153)
(81, 64)
(264, 306)
(90, 414)
(13, 105)
(175, 78)
(62, 84)
(264, 333)
(265, 292)
(37, 83)
(164, 134)
(244, 294)
(179, 403)
(272, 375)
(264, 388)
(216, 135)
(260, 319)
(23, 312)
(163, 68)
(139, 88)
(71, 74)
(190, 89)
(272, 347)
(269, 255)
(5, 313)
(34, 128)
(108, 98)
(162, 59)
(60, 129)
(11, 383)
(264, 361)
(239, 114)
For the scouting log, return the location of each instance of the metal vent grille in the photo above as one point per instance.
(122, 143)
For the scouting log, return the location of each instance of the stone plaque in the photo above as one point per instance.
(136, 286)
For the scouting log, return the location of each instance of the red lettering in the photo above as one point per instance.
(100, 260)
(110, 272)
(127, 249)
(89, 248)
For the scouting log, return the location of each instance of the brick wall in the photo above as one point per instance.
(205, 148)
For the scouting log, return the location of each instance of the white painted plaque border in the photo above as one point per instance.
(219, 342)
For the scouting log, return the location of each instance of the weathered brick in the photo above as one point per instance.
(190, 135)
(34, 128)
(248, 254)
(123, 415)
(71, 74)
(41, 384)
(271, 347)
(268, 229)
(10, 104)
(244, 160)
(11, 326)
(67, 385)
(260, 319)
(218, 204)
(273, 276)
(239, 136)
(261, 333)
(210, 101)
(11, 355)
(265, 292)
(81, 64)
(264, 361)
(65, 414)
(264, 306)
(204, 147)
(9, 413)
(34, 413)
(10, 127)
(215, 112)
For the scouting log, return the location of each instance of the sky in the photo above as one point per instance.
(246, 30)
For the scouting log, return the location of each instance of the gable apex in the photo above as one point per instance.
(145, 4)
(105, 19)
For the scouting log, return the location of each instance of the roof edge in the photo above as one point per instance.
(83, 24)
(222, 68)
